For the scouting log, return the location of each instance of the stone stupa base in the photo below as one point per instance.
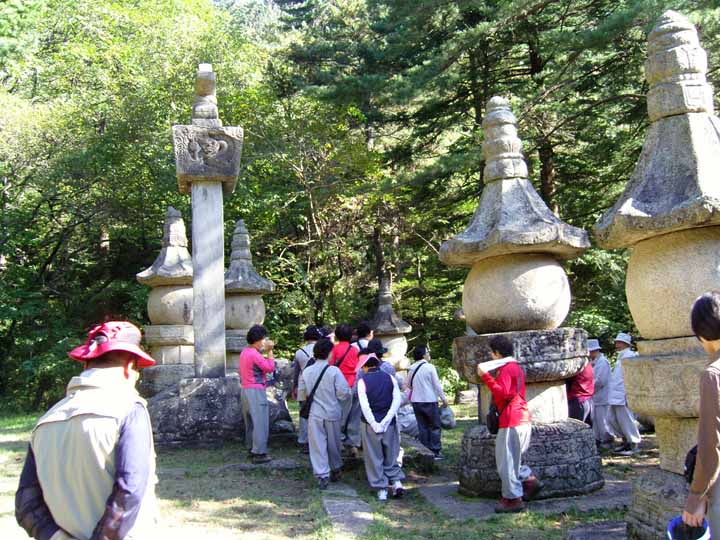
(657, 497)
(157, 379)
(562, 455)
(204, 410)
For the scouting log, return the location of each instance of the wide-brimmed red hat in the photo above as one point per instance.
(112, 336)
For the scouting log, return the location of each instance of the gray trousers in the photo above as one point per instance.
(256, 416)
(713, 508)
(380, 453)
(302, 427)
(622, 422)
(602, 430)
(510, 444)
(350, 422)
(325, 446)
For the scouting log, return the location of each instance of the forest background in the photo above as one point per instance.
(362, 152)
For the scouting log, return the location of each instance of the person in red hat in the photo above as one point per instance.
(90, 467)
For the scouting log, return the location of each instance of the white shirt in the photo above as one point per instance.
(601, 372)
(616, 393)
(424, 384)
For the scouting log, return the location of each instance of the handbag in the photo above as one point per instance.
(307, 404)
(492, 419)
(690, 459)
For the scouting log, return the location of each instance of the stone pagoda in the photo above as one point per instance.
(518, 287)
(669, 217)
(170, 309)
(390, 328)
(244, 287)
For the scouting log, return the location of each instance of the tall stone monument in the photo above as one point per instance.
(170, 308)
(516, 286)
(207, 159)
(669, 216)
(244, 287)
(390, 328)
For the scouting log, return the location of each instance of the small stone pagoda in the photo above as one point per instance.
(390, 328)
(669, 216)
(170, 336)
(244, 287)
(517, 286)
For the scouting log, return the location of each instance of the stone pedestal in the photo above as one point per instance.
(207, 410)
(657, 497)
(563, 452)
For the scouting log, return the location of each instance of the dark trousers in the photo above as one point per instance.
(428, 421)
(581, 410)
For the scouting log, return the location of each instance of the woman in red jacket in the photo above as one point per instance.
(513, 438)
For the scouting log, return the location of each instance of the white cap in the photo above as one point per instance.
(625, 338)
(593, 345)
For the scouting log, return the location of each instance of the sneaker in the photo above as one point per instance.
(397, 489)
(323, 482)
(631, 450)
(506, 506)
(622, 448)
(257, 459)
(531, 487)
(439, 456)
(335, 475)
(382, 495)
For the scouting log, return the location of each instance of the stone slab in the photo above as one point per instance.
(547, 402)
(562, 455)
(545, 355)
(350, 516)
(169, 355)
(443, 494)
(657, 497)
(675, 437)
(664, 380)
(416, 456)
(168, 334)
(600, 530)
(159, 378)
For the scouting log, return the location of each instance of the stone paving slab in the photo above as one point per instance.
(350, 516)
(443, 494)
(602, 530)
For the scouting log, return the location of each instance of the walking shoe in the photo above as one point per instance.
(631, 450)
(506, 506)
(397, 489)
(335, 475)
(439, 456)
(382, 495)
(622, 448)
(323, 482)
(531, 487)
(257, 459)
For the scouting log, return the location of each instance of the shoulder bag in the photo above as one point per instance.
(305, 409)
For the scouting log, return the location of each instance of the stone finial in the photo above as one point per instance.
(674, 185)
(511, 217)
(204, 109)
(386, 321)
(241, 276)
(502, 147)
(205, 151)
(675, 69)
(174, 265)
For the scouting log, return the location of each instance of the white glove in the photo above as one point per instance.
(377, 427)
(62, 535)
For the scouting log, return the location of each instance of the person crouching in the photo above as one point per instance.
(330, 390)
(513, 438)
(380, 398)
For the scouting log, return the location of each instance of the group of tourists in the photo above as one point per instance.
(90, 466)
(349, 397)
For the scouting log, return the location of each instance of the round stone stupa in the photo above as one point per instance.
(669, 217)
(390, 328)
(517, 286)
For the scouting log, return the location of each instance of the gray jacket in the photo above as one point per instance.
(332, 389)
(601, 370)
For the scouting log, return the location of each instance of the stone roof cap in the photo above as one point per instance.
(386, 321)
(173, 265)
(241, 276)
(511, 216)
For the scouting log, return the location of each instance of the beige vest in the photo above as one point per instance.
(74, 446)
